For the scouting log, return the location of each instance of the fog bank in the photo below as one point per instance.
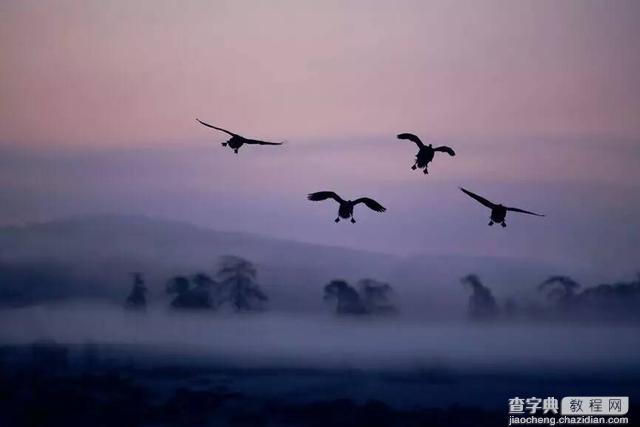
(315, 341)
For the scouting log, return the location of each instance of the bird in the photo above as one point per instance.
(346, 206)
(498, 212)
(236, 140)
(426, 152)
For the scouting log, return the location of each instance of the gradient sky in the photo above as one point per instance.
(120, 72)
(539, 98)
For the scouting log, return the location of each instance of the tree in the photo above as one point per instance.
(376, 296)
(238, 287)
(482, 304)
(615, 301)
(347, 298)
(137, 297)
(626, 292)
(189, 295)
(560, 289)
(204, 285)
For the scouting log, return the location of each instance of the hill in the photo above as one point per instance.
(91, 257)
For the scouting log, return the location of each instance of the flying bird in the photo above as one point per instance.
(236, 140)
(498, 212)
(425, 152)
(346, 206)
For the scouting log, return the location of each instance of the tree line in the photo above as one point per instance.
(564, 298)
(235, 285)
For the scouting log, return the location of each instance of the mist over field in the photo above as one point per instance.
(65, 283)
(294, 341)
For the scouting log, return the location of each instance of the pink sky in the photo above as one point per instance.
(120, 73)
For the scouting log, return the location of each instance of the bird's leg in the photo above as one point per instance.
(490, 223)
(338, 219)
(353, 220)
(426, 171)
(415, 165)
(503, 224)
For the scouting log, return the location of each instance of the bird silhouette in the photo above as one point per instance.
(498, 212)
(346, 206)
(236, 140)
(425, 152)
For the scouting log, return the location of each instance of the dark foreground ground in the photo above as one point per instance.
(46, 384)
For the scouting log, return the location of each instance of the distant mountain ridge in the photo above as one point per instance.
(97, 253)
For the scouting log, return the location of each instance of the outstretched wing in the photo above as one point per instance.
(215, 127)
(324, 195)
(445, 149)
(371, 204)
(523, 211)
(257, 141)
(411, 137)
(482, 200)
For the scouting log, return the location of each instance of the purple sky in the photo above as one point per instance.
(539, 98)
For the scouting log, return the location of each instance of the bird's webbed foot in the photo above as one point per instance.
(337, 219)
(503, 224)
(224, 144)
(235, 150)
(353, 221)
(414, 167)
(490, 223)
(426, 171)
